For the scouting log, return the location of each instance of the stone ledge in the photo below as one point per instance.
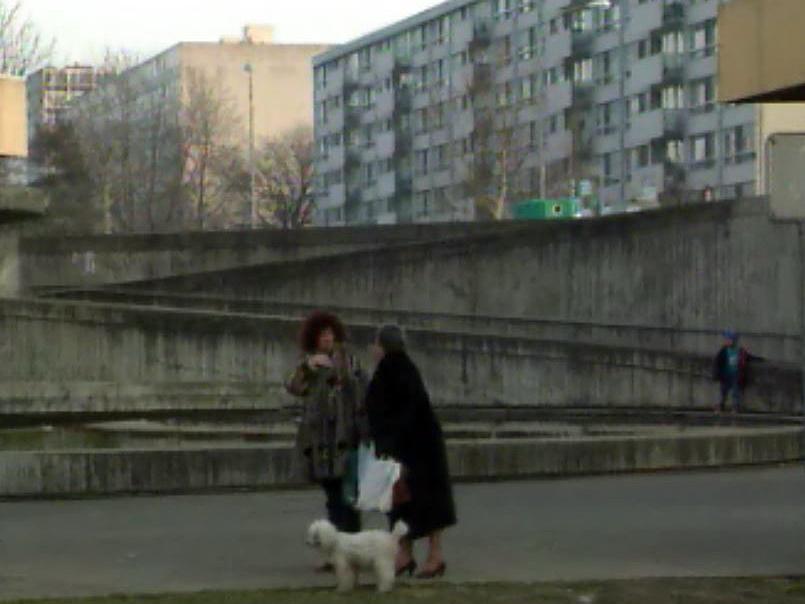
(108, 473)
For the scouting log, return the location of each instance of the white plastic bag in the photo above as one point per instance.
(376, 478)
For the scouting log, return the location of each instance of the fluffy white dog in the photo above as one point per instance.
(349, 553)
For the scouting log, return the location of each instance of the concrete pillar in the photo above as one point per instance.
(9, 262)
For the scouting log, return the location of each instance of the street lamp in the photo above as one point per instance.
(252, 159)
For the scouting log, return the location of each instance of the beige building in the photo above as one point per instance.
(760, 59)
(183, 118)
(280, 74)
(761, 50)
(13, 134)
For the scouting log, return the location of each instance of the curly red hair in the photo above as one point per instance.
(316, 323)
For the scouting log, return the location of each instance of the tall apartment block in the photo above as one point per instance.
(51, 90)
(481, 103)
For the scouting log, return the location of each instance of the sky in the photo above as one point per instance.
(84, 28)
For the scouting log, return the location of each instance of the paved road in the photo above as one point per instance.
(714, 524)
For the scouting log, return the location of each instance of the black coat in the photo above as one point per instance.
(403, 426)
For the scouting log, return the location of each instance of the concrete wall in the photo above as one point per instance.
(694, 269)
(9, 262)
(67, 344)
(52, 262)
(696, 341)
(88, 473)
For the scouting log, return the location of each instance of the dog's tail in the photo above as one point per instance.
(400, 530)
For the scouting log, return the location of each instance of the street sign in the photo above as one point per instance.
(785, 167)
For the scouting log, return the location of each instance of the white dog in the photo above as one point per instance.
(375, 550)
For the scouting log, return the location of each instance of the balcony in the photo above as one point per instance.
(352, 117)
(674, 124)
(582, 43)
(668, 124)
(352, 159)
(403, 100)
(481, 36)
(674, 174)
(403, 143)
(673, 70)
(583, 95)
(673, 15)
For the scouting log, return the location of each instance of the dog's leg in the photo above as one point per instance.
(384, 574)
(344, 574)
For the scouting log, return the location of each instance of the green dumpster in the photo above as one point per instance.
(545, 209)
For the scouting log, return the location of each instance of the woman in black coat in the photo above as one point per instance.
(404, 427)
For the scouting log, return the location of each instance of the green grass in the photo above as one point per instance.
(670, 591)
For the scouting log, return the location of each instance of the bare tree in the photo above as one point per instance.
(22, 46)
(285, 193)
(499, 147)
(104, 123)
(209, 147)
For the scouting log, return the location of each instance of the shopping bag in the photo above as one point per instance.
(376, 478)
(349, 484)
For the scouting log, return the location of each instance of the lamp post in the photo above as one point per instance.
(252, 159)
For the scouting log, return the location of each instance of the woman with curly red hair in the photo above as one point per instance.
(330, 384)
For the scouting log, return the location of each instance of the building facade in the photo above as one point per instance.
(281, 91)
(476, 104)
(51, 90)
(183, 116)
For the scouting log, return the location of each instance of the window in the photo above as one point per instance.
(673, 97)
(421, 121)
(673, 43)
(703, 39)
(702, 150)
(674, 152)
(365, 59)
(501, 9)
(702, 95)
(533, 135)
(642, 49)
(583, 70)
(528, 47)
(421, 162)
(443, 157)
(638, 104)
(739, 144)
(504, 95)
(604, 121)
(641, 156)
(606, 166)
(528, 88)
(603, 68)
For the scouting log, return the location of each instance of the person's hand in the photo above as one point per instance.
(319, 360)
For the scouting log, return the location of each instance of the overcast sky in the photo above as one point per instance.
(83, 28)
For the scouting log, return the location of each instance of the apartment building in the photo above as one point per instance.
(230, 93)
(479, 101)
(51, 90)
